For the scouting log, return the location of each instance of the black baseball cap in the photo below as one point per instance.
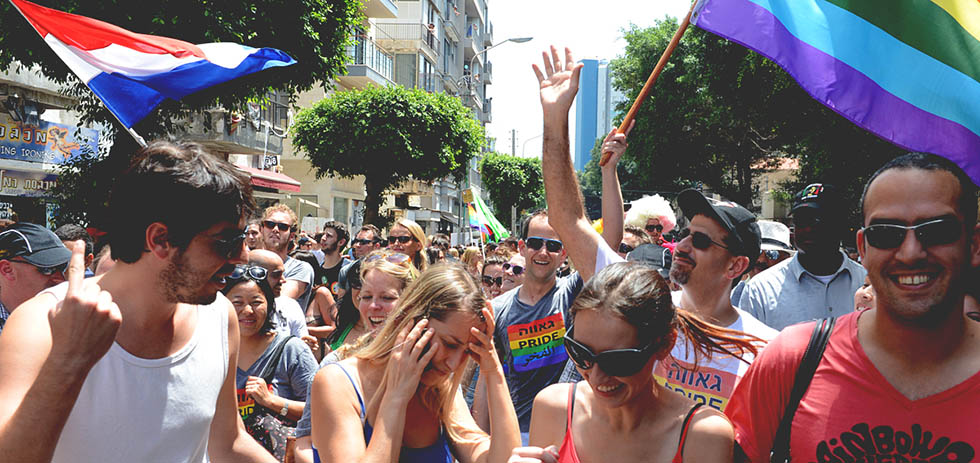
(736, 220)
(653, 255)
(33, 243)
(820, 196)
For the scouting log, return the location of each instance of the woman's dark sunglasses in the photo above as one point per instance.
(401, 239)
(517, 269)
(655, 228)
(931, 233)
(535, 243)
(283, 227)
(491, 281)
(617, 362)
(228, 247)
(253, 273)
(699, 240)
(625, 248)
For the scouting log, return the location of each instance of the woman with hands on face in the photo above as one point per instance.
(401, 391)
(249, 291)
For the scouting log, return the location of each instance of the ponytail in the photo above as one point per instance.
(706, 339)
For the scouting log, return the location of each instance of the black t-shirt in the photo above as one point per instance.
(329, 276)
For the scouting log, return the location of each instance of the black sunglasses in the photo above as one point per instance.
(362, 242)
(252, 272)
(625, 248)
(616, 362)
(228, 247)
(517, 269)
(46, 271)
(931, 233)
(536, 242)
(401, 239)
(655, 228)
(699, 240)
(491, 281)
(283, 227)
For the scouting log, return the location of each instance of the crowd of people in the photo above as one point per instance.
(201, 329)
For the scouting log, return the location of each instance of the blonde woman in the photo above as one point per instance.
(407, 237)
(401, 391)
(473, 261)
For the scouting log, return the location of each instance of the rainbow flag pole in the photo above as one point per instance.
(907, 71)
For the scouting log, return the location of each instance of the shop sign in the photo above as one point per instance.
(26, 184)
(47, 142)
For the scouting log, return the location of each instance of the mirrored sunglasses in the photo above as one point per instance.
(932, 233)
(535, 243)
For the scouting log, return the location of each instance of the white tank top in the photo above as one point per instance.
(150, 410)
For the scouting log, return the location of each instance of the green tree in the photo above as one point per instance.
(512, 181)
(314, 32)
(388, 134)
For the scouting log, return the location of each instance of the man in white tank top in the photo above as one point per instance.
(138, 364)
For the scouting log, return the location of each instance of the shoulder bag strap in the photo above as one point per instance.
(808, 366)
(270, 368)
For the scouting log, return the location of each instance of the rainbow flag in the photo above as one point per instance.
(905, 70)
(480, 218)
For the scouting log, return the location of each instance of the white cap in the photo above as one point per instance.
(775, 236)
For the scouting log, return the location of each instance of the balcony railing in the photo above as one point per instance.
(365, 52)
(421, 35)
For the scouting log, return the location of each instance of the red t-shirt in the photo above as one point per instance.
(850, 413)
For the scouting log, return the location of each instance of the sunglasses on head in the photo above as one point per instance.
(250, 271)
(283, 227)
(625, 248)
(46, 271)
(228, 247)
(396, 258)
(699, 240)
(616, 362)
(536, 242)
(491, 281)
(517, 269)
(401, 239)
(655, 228)
(931, 233)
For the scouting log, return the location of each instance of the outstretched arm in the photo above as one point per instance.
(612, 194)
(566, 207)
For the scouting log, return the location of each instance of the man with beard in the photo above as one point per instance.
(368, 239)
(253, 234)
(138, 364)
(712, 253)
(898, 382)
(278, 229)
(333, 240)
(820, 280)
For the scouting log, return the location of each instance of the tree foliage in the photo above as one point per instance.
(387, 134)
(720, 114)
(512, 181)
(314, 32)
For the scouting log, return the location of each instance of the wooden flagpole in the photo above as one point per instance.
(648, 87)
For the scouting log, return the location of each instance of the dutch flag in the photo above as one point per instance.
(132, 73)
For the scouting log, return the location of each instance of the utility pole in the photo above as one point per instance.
(513, 142)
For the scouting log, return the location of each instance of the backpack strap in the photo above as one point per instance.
(808, 366)
(270, 368)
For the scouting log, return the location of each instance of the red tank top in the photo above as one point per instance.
(567, 454)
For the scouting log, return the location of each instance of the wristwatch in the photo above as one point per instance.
(284, 409)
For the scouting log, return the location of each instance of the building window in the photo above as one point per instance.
(340, 210)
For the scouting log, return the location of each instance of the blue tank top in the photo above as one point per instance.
(438, 452)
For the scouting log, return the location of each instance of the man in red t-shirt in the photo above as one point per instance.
(898, 383)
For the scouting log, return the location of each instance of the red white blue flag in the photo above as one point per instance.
(132, 73)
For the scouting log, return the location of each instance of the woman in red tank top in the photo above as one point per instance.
(623, 323)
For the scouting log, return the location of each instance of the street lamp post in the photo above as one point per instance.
(469, 82)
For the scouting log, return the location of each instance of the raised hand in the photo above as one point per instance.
(84, 324)
(615, 143)
(558, 81)
(534, 455)
(408, 361)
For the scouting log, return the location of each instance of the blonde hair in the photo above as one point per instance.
(471, 255)
(280, 208)
(415, 230)
(442, 290)
(651, 207)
